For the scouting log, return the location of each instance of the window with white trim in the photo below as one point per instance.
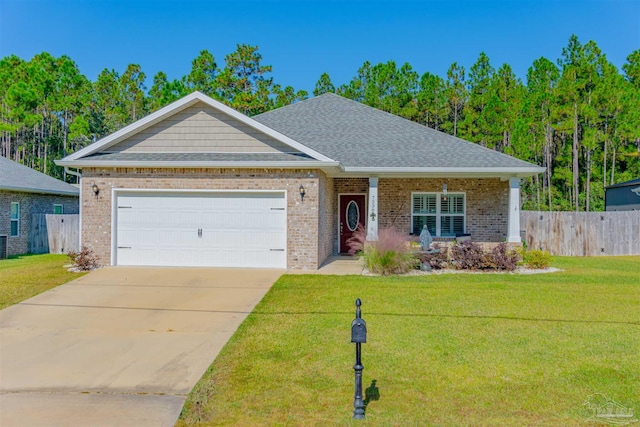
(57, 209)
(15, 219)
(443, 214)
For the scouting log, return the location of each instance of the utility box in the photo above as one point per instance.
(4, 247)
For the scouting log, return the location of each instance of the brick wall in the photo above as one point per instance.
(303, 250)
(487, 202)
(486, 211)
(30, 203)
(312, 234)
(327, 218)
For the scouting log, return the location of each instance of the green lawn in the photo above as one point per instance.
(447, 350)
(24, 276)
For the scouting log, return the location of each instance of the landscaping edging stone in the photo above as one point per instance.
(519, 270)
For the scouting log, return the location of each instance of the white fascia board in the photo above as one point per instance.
(38, 191)
(180, 105)
(198, 164)
(446, 172)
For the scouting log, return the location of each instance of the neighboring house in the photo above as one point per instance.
(199, 184)
(24, 192)
(624, 196)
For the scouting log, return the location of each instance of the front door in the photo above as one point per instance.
(352, 213)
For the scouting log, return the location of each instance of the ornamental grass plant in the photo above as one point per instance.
(390, 254)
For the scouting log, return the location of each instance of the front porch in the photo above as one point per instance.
(488, 209)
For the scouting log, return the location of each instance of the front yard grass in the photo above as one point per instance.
(451, 350)
(24, 276)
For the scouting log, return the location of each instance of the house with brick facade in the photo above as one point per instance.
(199, 184)
(23, 193)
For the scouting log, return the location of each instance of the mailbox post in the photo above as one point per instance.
(358, 336)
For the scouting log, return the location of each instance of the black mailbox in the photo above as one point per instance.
(358, 331)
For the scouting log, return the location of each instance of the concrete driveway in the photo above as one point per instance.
(120, 346)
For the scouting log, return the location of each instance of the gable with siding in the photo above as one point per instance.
(200, 128)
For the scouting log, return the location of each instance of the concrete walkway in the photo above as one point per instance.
(338, 265)
(119, 346)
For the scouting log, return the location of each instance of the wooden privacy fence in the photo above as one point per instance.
(56, 234)
(582, 233)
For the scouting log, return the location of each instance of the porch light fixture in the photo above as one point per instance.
(444, 191)
(302, 192)
(95, 189)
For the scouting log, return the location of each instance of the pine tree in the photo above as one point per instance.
(433, 106)
(324, 85)
(456, 94)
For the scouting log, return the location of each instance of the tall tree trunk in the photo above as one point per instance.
(455, 120)
(588, 183)
(45, 157)
(547, 148)
(575, 156)
(538, 191)
(64, 142)
(604, 165)
(613, 166)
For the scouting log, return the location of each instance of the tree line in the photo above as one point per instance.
(578, 117)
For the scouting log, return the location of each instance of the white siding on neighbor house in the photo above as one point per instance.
(200, 129)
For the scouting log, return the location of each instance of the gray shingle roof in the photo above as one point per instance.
(16, 177)
(624, 184)
(197, 157)
(361, 136)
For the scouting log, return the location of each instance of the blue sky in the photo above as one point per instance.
(302, 39)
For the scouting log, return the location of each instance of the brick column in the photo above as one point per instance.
(372, 211)
(513, 232)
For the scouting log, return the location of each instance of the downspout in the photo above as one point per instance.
(79, 176)
(70, 172)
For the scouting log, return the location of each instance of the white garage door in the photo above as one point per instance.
(221, 229)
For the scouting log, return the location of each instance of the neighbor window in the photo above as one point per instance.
(57, 209)
(15, 219)
(444, 215)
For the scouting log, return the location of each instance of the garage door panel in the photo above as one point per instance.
(196, 229)
(236, 240)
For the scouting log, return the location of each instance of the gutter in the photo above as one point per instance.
(195, 164)
(446, 172)
(40, 191)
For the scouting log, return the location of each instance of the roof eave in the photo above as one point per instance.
(40, 191)
(80, 163)
(445, 172)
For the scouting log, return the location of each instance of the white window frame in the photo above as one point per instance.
(438, 215)
(61, 208)
(16, 220)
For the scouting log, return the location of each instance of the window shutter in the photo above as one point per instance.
(458, 224)
(424, 203)
(458, 204)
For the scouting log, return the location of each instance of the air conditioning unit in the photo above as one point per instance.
(4, 247)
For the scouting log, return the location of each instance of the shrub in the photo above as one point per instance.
(357, 240)
(467, 255)
(390, 254)
(536, 258)
(84, 260)
(438, 259)
(502, 257)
